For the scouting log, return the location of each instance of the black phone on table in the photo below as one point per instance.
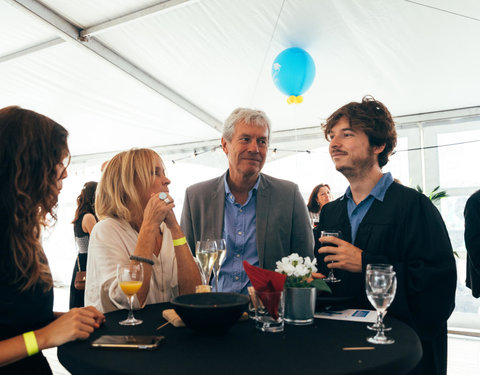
(128, 342)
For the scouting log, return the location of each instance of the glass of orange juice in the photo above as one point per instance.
(130, 279)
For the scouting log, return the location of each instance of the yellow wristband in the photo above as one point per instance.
(30, 343)
(180, 241)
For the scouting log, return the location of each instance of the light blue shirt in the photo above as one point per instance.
(240, 232)
(356, 212)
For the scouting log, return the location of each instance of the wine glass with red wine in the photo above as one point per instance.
(334, 233)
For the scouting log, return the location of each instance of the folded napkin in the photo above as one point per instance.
(264, 282)
(172, 317)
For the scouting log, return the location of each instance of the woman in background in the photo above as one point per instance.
(137, 223)
(318, 198)
(33, 158)
(83, 223)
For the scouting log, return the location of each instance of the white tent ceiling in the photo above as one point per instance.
(153, 73)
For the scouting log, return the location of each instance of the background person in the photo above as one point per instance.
(261, 217)
(83, 223)
(32, 153)
(472, 242)
(134, 221)
(320, 196)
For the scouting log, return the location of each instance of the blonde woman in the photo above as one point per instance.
(137, 223)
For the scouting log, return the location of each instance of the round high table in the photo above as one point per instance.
(314, 349)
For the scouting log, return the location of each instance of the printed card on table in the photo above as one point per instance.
(353, 315)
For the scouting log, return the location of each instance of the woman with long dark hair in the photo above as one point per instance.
(318, 198)
(33, 156)
(83, 223)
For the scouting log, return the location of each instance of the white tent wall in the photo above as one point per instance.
(165, 74)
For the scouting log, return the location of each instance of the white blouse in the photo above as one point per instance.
(112, 241)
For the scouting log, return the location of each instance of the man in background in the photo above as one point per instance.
(472, 242)
(261, 217)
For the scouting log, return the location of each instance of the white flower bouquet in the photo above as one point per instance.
(299, 272)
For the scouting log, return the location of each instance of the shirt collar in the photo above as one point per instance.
(378, 191)
(228, 192)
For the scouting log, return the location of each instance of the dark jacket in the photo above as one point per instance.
(472, 243)
(407, 231)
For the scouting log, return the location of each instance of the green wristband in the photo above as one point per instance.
(180, 241)
(30, 343)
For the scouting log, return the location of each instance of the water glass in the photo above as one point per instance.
(380, 286)
(385, 267)
(269, 311)
(379, 266)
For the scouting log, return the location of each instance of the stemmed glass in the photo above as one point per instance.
(221, 253)
(381, 286)
(385, 267)
(335, 233)
(206, 252)
(130, 279)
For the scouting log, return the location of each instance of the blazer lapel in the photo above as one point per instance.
(217, 209)
(262, 209)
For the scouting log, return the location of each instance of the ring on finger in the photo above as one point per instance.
(167, 201)
(163, 196)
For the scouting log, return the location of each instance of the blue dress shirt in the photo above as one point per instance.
(356, 212)
(240, 232)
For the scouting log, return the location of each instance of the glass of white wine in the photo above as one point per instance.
(221, 253)
(206, 252)
(130, 279)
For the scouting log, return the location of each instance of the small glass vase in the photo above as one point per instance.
(300, 305)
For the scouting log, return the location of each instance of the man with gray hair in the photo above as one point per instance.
(261, 217)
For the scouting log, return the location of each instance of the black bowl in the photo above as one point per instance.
(210, 313)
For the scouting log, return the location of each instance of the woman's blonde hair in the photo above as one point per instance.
(124, 184)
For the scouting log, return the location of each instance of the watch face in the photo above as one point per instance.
(162, 195)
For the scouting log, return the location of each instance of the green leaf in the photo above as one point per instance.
(320, 284)
(435, 195)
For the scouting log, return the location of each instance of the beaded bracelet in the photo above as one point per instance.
(141, 259)
(180, 241)
(30, 343)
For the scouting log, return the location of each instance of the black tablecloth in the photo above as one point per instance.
(314, 349)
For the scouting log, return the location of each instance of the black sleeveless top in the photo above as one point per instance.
(22, 312)
(81, 237)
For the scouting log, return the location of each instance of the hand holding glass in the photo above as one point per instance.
(334, 233)
(381, 286)
(130, 279)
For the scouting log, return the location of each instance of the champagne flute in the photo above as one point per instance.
(130, 279)
(334, 233)
(199, 266)
(206, 252)
(386, 267)
(380, 286)
(221, 253)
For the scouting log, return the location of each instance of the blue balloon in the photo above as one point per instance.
(293, 71)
